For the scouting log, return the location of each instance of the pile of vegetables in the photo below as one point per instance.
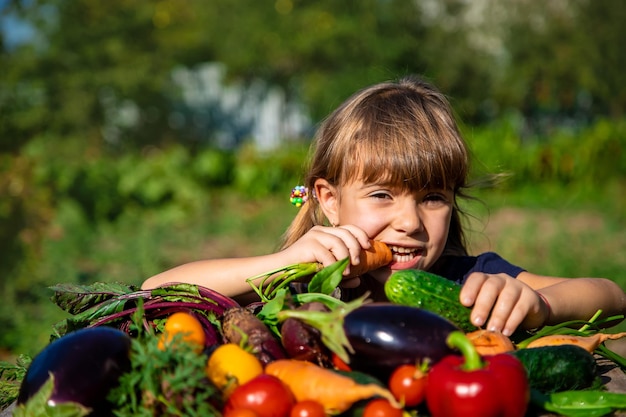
(184, 350)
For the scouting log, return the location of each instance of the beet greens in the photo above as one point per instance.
(114, 305)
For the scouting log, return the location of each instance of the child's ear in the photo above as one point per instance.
(328, 199)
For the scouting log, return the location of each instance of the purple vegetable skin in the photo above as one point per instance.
(385, 336)
(86, 364)
(302, 341)
(239, 323)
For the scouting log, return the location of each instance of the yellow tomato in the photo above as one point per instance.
(230, 366)
(185, 324)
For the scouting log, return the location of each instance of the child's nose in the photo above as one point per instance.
(408, 219)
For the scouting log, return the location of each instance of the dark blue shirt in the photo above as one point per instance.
(458, 268)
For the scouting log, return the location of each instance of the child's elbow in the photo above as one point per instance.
(149, 284)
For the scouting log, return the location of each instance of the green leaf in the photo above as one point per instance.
(88, 317)
(326, 280)
(328, 300)
(177, 292)
(11, 376)
(75, 298)
(270, 310)
(165, 382)
(37, 405)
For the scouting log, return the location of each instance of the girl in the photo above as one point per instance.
(389, 164)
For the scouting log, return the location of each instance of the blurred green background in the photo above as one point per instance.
(138, 135)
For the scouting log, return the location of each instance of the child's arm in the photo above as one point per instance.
(228, 276)
(533, 300)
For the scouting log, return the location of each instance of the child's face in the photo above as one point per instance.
(414, 224)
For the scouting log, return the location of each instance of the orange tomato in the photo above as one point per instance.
(230, 366)
(186, 325)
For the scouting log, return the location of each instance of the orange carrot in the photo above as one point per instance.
(378, 255)
(488, 342)
(334, 391)
(589, 343)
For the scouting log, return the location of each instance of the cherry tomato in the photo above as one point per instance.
(185, 324)
(381, 407)
(339, 364)
(408, 384)
(308, 408)
(265, 394)
(230, 366)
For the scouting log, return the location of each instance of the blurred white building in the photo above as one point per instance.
(234, 113)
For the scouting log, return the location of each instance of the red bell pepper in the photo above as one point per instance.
(471, 385)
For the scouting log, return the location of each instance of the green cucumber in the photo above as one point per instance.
(431, 292)
(558, 368)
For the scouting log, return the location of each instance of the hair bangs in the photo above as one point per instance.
(406, 159)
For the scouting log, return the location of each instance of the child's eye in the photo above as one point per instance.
(435, 198)
(380, 195)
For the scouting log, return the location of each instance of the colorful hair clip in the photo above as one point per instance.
(299, 195)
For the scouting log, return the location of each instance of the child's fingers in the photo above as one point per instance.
(516, 317)
(354, 239)
(331, 244)
(481, 291)
(506, 313)
(470, 289)
(501, 302)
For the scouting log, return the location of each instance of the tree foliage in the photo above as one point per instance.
(93, 58)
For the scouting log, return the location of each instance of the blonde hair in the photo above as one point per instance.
(403, 131)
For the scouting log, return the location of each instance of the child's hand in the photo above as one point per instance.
(502, 300)
(328, 245)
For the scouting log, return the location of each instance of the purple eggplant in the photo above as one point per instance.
(385, 336)
(85, 363)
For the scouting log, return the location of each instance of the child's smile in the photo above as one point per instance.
(405, 258)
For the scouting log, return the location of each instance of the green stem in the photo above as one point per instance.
(308, 270)
(328, 300)
(285, 275)
(330, 325)
(458, 340)
(593, 319)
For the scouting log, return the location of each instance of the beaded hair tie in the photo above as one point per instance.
(299, 195)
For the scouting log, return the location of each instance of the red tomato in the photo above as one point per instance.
(240, 412)
(265, 394)
(380, 407)
(408, 383)
(308, 408)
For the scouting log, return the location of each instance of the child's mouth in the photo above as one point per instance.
(402, 254)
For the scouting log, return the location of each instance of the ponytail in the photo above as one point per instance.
(309, 215)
